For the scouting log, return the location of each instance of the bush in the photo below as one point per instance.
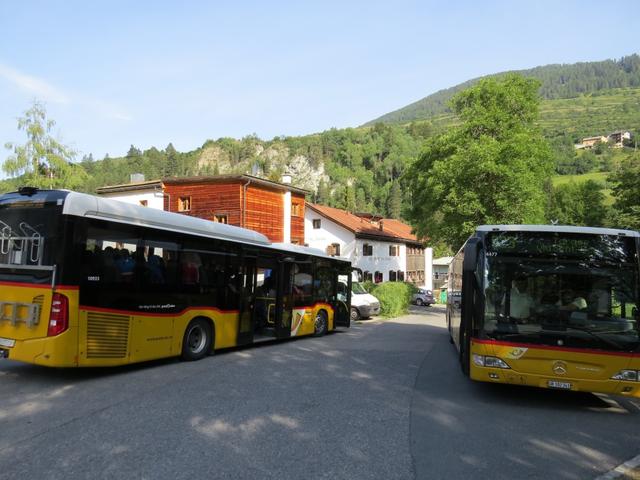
(394, 297)
(368, 285)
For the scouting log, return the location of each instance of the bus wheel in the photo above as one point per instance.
(321, 324)
(197, 340)
(354, 314)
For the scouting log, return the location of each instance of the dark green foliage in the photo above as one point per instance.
(556, 81)
(394, 297)
(626, 191)
(491, 169)
(580, 204)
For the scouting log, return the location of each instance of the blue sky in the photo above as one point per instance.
(113, 74)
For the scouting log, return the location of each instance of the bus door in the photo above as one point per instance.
(284, 305)
(342, 306)
(265, 308)
(245, 284)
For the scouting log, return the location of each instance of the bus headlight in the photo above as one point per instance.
(491, 362)
(627, 375)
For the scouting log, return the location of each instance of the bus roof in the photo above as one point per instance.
(557, 228)
(91, 206)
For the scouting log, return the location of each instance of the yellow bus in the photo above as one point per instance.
(548, 306)
(88, 281)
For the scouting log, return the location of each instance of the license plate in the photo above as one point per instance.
(7, 342)
(561, 385)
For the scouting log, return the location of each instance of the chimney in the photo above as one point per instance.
(286, 179)
(380, 225)
(136, 178)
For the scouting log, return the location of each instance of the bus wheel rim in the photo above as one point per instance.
(196, 339)
(320, 323)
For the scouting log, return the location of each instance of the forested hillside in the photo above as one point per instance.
(558, 81)
(362, 169)
(356, 169)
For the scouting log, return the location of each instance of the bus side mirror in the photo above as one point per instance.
(471, 250)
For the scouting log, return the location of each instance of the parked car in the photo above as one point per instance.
(423, 297)
(363, 304)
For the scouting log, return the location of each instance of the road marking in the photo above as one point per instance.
(630, 469)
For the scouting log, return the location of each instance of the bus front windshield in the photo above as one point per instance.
(559, 289)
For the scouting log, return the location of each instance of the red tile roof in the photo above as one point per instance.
(392, 229)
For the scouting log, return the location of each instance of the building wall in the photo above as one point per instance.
(380, 261)
(328, 233)
(265, 212)
(297, 221)
(264, 206)
(153, 199)
(207, 200)
(352, 247)
(415, 265)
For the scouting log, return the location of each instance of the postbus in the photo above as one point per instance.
(548, 306)
(88, 281)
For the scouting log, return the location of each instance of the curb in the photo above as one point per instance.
(629, 470)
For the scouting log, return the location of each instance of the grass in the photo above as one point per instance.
(583, 116)
(600, 177)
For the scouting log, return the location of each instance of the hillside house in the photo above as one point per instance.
(271, 208)
(380, 249)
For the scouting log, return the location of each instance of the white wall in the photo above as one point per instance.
(328, 233)
(351, 248)
(154, 199)
(380, 261)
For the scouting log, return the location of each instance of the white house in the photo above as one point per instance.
(382, 249)
(148, 194)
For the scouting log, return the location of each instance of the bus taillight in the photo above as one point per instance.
(59, 317)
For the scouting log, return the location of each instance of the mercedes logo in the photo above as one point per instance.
(559, 368)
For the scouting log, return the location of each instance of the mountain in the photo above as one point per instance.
(558, 82)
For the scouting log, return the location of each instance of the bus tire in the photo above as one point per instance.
(197, 340)
(320, 324)
(355, 315)
(465, 358)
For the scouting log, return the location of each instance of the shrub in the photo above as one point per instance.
(394, 297)
(368, 285)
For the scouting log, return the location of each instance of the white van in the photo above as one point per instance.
(363, 304)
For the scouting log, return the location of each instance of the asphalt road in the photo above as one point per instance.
(382, 400)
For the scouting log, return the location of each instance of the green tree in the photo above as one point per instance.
(626, 191)
(491, 169)
(394, 202)
(42, 161)
(578, 203)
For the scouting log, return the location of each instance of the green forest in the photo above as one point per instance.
(365, 169)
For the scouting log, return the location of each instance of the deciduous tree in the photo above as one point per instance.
(490, 169)
(42, 161)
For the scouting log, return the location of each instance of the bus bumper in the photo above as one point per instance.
(49, 351)
(499, 375)
(553, 369)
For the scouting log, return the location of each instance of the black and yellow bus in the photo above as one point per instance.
(548, 306)
(88, 281)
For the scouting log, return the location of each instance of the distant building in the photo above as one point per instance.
(441, 271)
(271, 208)
(591, 142)
(381, 249)
(616, 139)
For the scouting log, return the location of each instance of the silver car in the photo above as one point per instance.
(423, 297)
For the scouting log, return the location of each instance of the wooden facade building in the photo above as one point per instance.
(271, 208)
